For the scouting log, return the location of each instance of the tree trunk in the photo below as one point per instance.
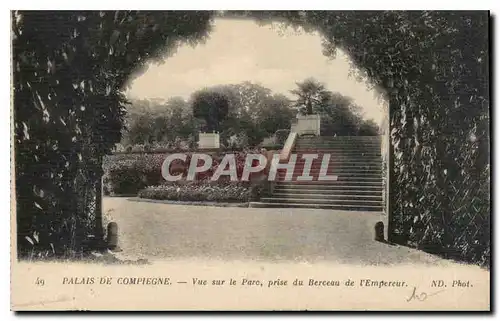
(309, 107)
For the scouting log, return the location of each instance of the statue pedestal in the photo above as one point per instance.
(308, 125)
(208, 140)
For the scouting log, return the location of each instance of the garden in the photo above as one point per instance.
(139, 174)
(433, 67)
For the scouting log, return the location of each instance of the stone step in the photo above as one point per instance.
(334, 150)
(335, 169)
(320, 153)
(333, 183)
(323, 140)
(320, 201)
(344, 177)
(330, 187)
(341, 138)
(340, 176)
(331, 168)
(318, 206)
(373, 192)
(337, 164)
(338, 146)
(351, 138)
(320, 196)
(338, 142)
(343, 165)
(340, 160)
(327, 149)
(342, 169)
(355, 154)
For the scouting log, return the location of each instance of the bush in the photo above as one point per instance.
(128, 176)
(129, 173)
(281, 136)
(124, 180)
(276, 147)
(260, 188)
(201, 191)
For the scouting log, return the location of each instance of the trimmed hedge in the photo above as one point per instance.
(205, 191)
(127, 174)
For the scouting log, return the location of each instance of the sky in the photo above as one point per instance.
(241, 50)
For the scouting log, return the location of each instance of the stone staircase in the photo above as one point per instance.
(355, 160)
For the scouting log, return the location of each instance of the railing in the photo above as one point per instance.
(288, 147)
(284, 156)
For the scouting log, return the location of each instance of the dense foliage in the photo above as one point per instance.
(432, 67)
(200, 191)
(212, 107)
(126, 174)
(169, 124)
(310, 93)
(68, 72)
(339, 114)
(254, 113)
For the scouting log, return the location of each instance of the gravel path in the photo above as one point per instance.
(162, 231)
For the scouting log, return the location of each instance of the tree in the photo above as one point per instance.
(310, 93)
(369, 128)
(339, 114)
(179, 119)
(212, 107)
(253, 111)
(139, 123)
(156, 121)
(276, 114)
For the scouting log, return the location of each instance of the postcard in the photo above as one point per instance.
(250, 161)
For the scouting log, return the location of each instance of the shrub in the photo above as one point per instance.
(129, 173)
(201, 191)
(124, 180)
(272, 147)
(128, 176)
(260, 187)
(281, 136)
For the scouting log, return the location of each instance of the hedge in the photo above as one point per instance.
(127, 174)
(206, 191)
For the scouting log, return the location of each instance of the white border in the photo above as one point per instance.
(178, 5)
(255, 5)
